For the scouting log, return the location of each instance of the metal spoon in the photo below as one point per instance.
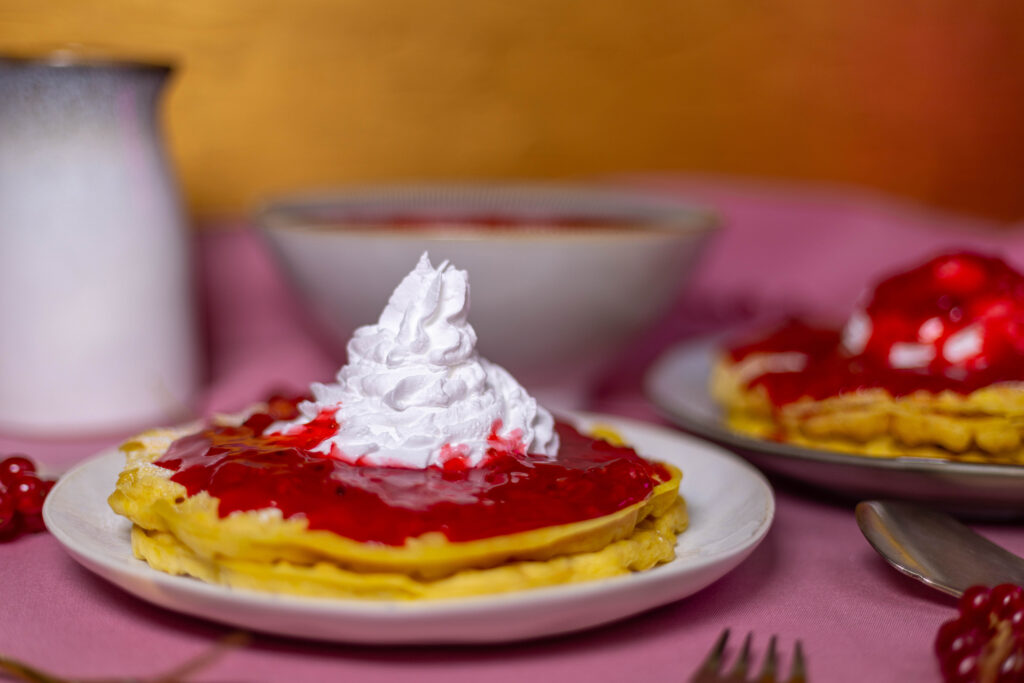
(934, 548)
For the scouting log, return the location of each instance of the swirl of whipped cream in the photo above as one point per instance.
(415, 392)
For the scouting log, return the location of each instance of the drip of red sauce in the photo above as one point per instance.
(953, 323)
(511, 492)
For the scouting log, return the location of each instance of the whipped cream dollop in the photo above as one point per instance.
(416, 392)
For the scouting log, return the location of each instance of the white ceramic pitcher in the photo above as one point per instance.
(97, 318)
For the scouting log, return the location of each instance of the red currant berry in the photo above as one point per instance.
(31, 524)
(975, 605)
(8, 512)
(30, 497)
(962, 669)
(1011, 670)
(1006, 599)
(14, 466)
(1016, 619)
(968, 640)
(951, 637)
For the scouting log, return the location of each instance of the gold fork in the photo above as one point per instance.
(711, 670)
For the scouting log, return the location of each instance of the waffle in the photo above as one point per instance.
(985, 425)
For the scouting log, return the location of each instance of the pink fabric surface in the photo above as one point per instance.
(813, 578)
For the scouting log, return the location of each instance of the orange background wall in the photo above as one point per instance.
(920, 98)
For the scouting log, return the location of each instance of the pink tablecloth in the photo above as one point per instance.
(813, 578)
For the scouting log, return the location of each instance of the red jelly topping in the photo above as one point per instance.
(511, 492)
(954, 323)
(793, 335)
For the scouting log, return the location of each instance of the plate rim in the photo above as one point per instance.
(658, 375)
(732, 556)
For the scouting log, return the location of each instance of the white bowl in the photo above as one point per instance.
(561, 276)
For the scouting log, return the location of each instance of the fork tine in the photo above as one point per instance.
(714, 658)
(710, 670)
(798, 674)
(739, 669)
(771, 662)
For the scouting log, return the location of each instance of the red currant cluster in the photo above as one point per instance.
(22, 492)
(985, 643)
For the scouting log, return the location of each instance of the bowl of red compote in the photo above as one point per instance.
(563, 276)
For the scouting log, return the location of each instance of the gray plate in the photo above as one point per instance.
(677, 385)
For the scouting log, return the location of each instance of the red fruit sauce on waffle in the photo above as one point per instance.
(511, 492)
(954, 323)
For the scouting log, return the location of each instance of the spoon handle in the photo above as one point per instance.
(934, 548)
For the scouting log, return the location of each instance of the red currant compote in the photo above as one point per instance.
(22, 492)
(511, 492)
(953, 323)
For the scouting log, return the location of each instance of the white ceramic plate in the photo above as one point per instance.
(677, 384)
(731, 508)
